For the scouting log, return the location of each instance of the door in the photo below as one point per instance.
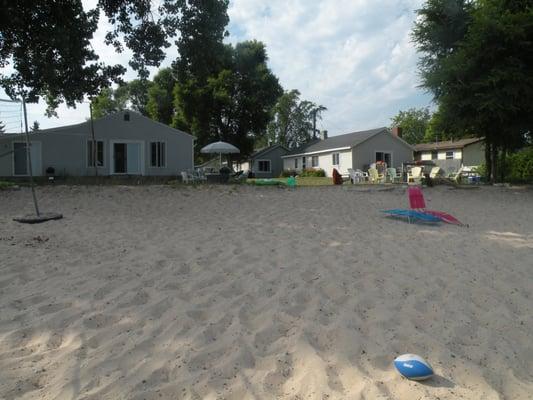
(20, 165)
(127, 158)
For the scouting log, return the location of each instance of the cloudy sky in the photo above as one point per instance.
(353, 56)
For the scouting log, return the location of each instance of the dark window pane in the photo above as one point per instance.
(162, 161)
(153, 154)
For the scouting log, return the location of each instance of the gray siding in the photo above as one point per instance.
(364, 154)
(474, 154)
(276, 162)
(65, 149)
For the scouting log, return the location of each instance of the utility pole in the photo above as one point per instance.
(95, 146)
(28, 158)
(314, 122)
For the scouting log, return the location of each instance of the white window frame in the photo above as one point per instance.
(446, 155)
(87, 153)
(313, 158)
(336, 156)
(33, 166)
(112, 156)
(269, 166)
(157, 155)
(387, 152)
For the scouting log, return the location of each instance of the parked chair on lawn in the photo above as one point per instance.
(375, 176)
(415, 176)
(393, 176)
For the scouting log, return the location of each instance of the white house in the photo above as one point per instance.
(355, 150)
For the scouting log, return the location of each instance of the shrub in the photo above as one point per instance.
(313, 172)
(519, 166)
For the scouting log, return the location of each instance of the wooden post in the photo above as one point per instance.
(28, 158)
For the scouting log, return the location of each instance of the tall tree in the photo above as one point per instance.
(109, 101)
(242, 96)
(482, 79)
(414, 123)
(291, 121)
(202, 55)
(160, 106)
(47, 44)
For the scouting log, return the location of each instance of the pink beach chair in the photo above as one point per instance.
(417, 202)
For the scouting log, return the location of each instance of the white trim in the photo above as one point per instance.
(150, 154)
(388, 152)
(317, 162)
(112, 156)
(87, 153)
(338, 159)
(317, 152)
(40, 157)
(269, 166)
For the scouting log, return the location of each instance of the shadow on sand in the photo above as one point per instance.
(438, 381)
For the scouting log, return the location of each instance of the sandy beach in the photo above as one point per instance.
(238, 292)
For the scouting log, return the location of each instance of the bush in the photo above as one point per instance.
(313, 172)
(519, 166)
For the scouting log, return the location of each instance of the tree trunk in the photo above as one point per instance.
(494, 159)
(488, 161)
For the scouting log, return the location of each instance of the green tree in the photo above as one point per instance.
(291, 121)
(35, 127)
(202, 56)
(47, 44)
(108, 102)
(160, 106)
(242, 96)
(478, 62)
(414, 123)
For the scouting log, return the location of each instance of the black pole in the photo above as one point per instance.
(28, 159)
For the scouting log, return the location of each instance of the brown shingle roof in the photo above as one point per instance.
(447, 145)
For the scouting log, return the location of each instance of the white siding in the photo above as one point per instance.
(441, 155)
(426, 156)
(325, 162)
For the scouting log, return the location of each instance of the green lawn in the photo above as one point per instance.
(6, 185)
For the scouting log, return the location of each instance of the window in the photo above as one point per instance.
(335, 158)
(295, 163)
(99, 153)
(157, 155)
(303, 163)
(263, 165)
(314, 161)
(384, 157)
(434, 155)
(449, 155)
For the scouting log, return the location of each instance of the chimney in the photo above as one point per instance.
(323, 135)
(397, 131)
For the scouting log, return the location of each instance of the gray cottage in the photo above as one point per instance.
(355, 150)
(267, 162)
(126, 143)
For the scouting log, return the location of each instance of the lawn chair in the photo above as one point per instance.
(199, 175)
(185, 177)
(375, 176)
(392, 175)
(415, 176)
(417, 203)
(356, 176)
(435, 172)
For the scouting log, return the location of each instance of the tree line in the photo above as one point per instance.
(477, 61)
(213, 90)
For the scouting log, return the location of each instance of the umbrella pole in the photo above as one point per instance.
(220, 159)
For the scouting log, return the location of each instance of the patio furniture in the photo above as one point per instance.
(375, 176)
(393, 176)
(415, 175)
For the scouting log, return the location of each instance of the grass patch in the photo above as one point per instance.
(6, 185)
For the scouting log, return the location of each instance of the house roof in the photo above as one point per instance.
(447, 145)
(86, 125)
(265, 150)
(345, 141)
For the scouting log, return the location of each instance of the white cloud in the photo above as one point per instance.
(353, 56)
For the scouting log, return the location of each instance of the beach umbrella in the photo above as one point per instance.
(220, 148)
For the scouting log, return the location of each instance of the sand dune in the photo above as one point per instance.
(264, 293)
